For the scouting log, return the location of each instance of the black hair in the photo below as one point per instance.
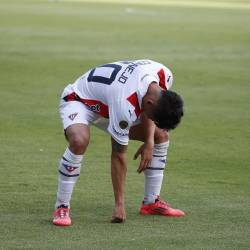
(169, 110)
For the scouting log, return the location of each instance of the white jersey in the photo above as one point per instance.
(115, 92)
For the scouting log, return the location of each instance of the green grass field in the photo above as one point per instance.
(44, 45)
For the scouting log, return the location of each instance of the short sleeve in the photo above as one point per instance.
(149, 78)
(165, 78)
(144, 83)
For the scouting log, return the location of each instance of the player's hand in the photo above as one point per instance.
(146, 151)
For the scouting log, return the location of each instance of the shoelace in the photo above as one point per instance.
(62, 213)
(163, 203)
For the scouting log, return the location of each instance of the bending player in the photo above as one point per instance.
(131, 100)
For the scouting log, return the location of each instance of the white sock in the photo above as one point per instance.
(153, 175)
(69, 170)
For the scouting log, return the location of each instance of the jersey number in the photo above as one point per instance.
(104, 74)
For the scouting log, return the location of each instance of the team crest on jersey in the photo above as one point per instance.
(72, 116)
(123, 124)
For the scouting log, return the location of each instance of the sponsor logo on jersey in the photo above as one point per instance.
(93, 105)
(72, 116)
(169, 77)
(95, 108)
(119, 133)
(123, 124)
(144, 77)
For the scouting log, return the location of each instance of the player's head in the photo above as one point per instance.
(168, 110)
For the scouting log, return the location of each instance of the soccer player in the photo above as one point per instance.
(130, 100)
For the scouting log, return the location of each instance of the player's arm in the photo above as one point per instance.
(118, 174)
(146, 150)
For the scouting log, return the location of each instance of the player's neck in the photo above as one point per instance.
(150, 100)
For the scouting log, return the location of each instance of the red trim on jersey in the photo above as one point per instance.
(133, 99)
(97, 107)
(162, 77)
(94, 105)
(71, 97)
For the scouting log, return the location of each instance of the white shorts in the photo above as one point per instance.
(74, 112)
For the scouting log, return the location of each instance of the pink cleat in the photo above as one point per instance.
(61, 216)
(160, 208)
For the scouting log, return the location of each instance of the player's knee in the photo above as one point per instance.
(78, 137)
(160, 136)
(78, 144)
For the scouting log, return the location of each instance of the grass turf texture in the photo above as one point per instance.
(46, 44)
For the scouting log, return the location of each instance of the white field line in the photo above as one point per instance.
(179, 3)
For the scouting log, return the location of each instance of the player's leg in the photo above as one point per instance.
(70, 162)
(75, 118)
(154, 174)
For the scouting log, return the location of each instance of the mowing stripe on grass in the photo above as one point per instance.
(180, 3)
